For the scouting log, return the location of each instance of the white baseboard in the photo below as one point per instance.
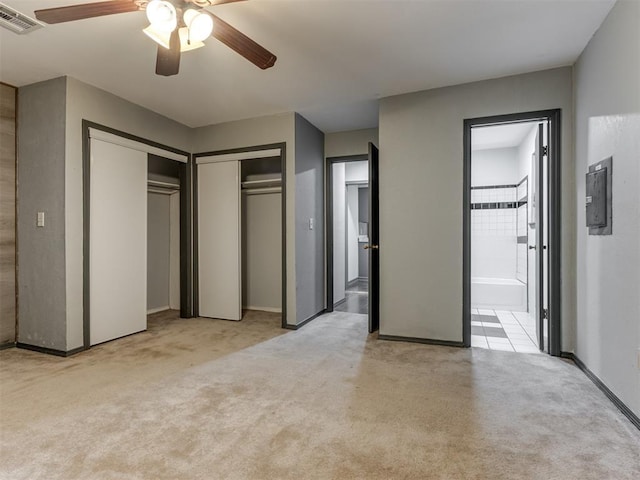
(159, 309)
(264, 309)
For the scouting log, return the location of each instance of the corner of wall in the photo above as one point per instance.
(310, 265)
(41, 187)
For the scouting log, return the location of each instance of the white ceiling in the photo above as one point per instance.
(335, 57)
(500, 136)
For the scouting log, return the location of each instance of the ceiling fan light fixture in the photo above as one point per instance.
(200, 24)
(162, 15)
(160, 37)
(187, 44)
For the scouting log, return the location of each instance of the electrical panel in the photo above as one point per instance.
(598, 198)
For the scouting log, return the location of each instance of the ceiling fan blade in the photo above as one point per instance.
(238, 41)
(85, 10)
(168, 59)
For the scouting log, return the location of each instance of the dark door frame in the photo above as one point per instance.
(186, 252)
(373, 261)
(283, 165)
(329, 217)
(554, 222)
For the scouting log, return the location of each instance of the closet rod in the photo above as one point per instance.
(262, 191)
(159, 184)
(162, 191)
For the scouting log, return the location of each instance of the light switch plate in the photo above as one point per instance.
(40, 219)
(311, 224)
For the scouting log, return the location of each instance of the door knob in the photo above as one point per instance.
(372, 247)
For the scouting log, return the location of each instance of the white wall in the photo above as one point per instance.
(261, 131)
(352, 232)
(339, 232)
(352, 142)
(356, 171)
(421, 183)
(525, 151)
(495, 166)
(493, 251)
(607, 96)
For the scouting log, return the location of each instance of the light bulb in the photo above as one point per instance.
(162, 15)
(186, 43)
(200, 24)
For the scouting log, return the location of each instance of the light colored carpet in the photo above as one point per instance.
(205, 399)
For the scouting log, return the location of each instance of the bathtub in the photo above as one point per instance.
(498, 294)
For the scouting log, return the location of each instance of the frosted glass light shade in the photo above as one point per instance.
(162, 15)
(161, 38)
(187, 44)
(200, 24)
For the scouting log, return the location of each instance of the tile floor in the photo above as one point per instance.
(357, 297)
(503, 330)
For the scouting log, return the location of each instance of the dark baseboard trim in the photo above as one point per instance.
(50, 351)
(428, 341)
(303, 323)
(4, 346)
(337, 304)
(626, 411)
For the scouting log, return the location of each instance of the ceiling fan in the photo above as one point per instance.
(176, 25)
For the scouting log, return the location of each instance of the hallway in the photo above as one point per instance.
(356, 297)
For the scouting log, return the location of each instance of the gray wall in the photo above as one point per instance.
(607, 93)
(41, 187)
(309, 179)
(158, 253)
(352, 142)
(421, 160)
(262, 251)
(262, 131)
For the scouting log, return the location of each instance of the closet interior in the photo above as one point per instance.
(261, 233)
(240, 234)
(163, 234)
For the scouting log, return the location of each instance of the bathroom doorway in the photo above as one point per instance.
(511, 237)
(352, 235)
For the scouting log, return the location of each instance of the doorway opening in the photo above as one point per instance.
(512, 233)
(352, 235)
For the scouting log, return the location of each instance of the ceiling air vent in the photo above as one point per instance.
(17, 22)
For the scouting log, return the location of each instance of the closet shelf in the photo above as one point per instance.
(269, 182)
(162, 187)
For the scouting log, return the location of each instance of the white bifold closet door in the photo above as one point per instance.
(118, 241)
(219, 254)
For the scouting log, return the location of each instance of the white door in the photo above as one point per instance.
(219, 257)
(118, 241)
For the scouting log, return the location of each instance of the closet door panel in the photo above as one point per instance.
(219, 256)
(118, 241)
